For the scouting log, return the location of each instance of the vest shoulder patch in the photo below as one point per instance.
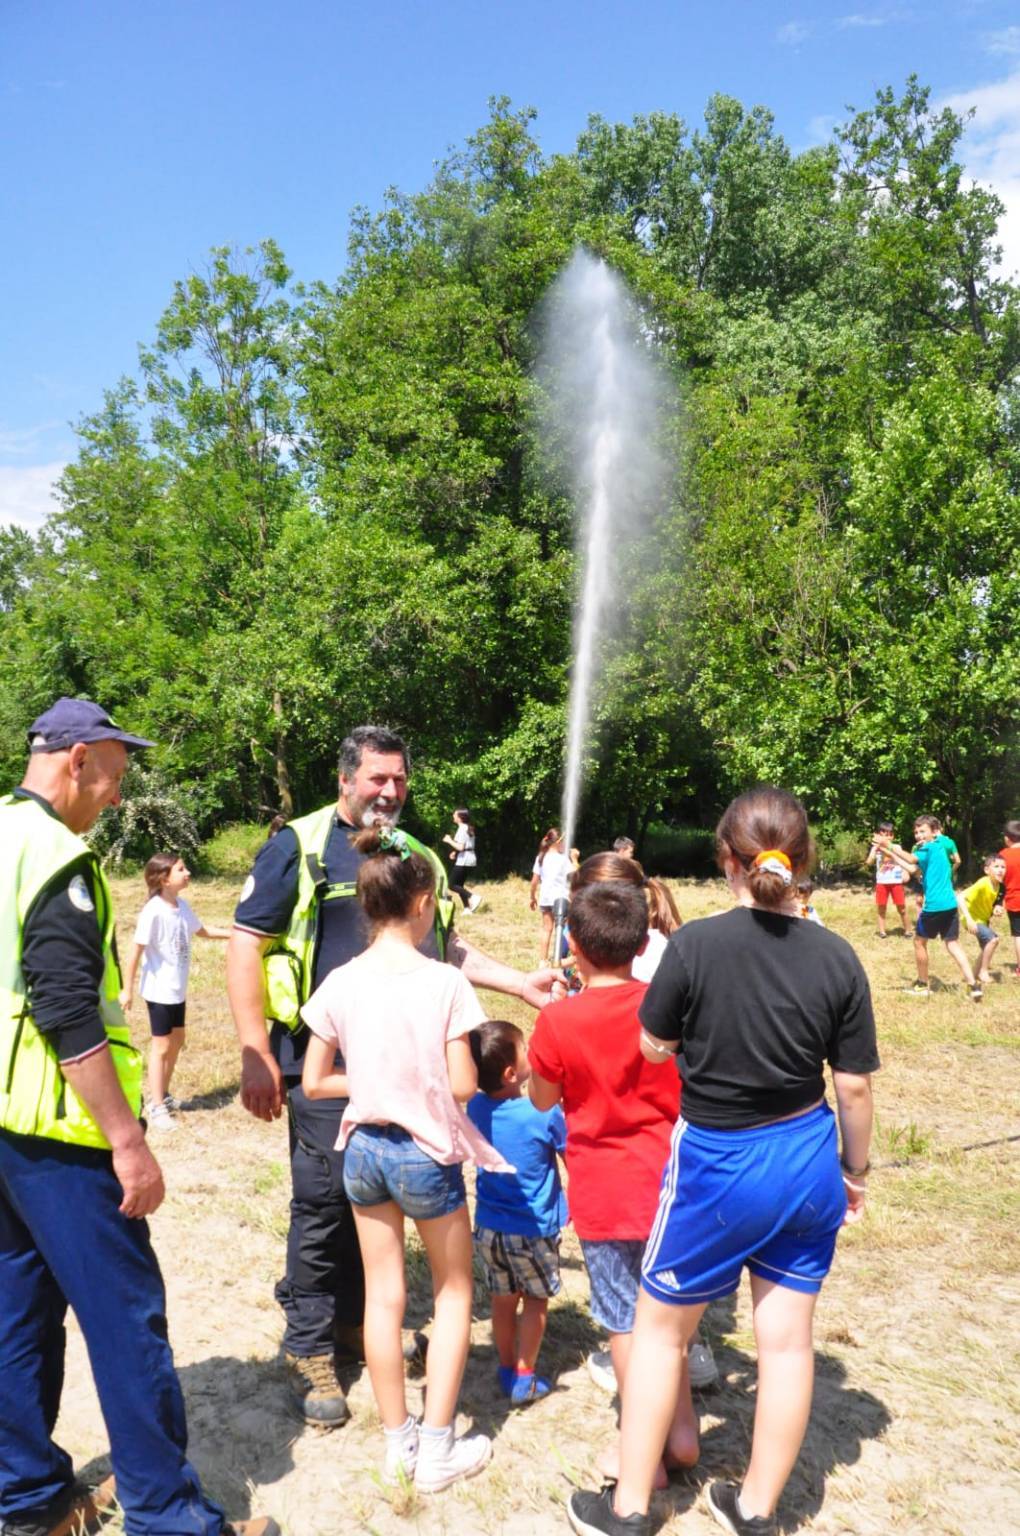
(78, 894)
(247, 888)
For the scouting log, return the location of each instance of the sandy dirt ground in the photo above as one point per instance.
(915, 1421)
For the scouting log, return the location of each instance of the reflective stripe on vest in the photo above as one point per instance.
(35, 1097)
(289, 963)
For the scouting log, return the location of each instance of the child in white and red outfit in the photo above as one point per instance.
(890, 882)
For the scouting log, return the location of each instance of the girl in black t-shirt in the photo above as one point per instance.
(754, 1003)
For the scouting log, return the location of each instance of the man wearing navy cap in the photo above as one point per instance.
(77, 1178)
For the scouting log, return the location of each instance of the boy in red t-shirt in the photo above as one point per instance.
(1011, 889)
(620, 1112)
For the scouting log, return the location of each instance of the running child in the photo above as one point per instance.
(1011, 892)
(518, 1216)
(936, 858)
(400, 1023)
(620, 1111)
(890, 882)
(166, 925)
(753, 1003)
(977, 903)
(464, 858)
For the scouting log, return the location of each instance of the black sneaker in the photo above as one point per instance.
(722, 1501)
(592, 1514)
(77, 1509)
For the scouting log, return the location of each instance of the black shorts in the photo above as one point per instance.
(939, 925)
(1014, 924)
(163, 1017)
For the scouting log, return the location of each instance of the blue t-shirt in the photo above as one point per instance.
(935, 859)
(530, 1202)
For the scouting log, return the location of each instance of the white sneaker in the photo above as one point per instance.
(701, 1366)
(600, 1369)
(159, 1118)
(442, 1461)
(401, 1454)
(474, 903)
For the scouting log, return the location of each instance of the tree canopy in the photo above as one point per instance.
(321, 504)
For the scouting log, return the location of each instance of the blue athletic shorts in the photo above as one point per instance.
(771, 1198)
(939, 925)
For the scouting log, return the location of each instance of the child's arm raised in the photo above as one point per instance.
(899, 856)
(319, 1079)
(460, 1064)
(130, 972)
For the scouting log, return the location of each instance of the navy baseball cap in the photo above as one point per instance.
(71, 720)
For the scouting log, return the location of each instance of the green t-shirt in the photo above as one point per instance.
(980, 898)
(935, 859)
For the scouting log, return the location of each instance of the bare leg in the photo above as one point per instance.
(547, 933)
(158, 1074)
(176, 1047)
(657, 1408)
(447, 1242)
(532, 1332)
(786, 1372)
(881, 919)
(985, 960)
(381, 1239)
(921, 957)
(956, 949)
(504, 1328)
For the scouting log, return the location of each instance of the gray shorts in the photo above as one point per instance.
(515, 1264)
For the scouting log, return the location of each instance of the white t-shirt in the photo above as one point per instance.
(165, 932)
(464, 842)
(553, 870)
(644, 966)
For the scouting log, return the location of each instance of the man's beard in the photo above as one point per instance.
(375, 813)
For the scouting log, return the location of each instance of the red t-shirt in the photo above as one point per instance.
(620, 1109)
(1011, 889)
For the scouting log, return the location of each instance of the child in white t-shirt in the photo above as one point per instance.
(550, 879)
(163, 934)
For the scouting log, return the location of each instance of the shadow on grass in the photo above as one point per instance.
(213, 1098)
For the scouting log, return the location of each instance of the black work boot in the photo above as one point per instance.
(315, 1391)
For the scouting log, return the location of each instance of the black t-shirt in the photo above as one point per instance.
(62, 958)
(759, 1002)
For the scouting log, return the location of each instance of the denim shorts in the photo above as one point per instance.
(384, 1162)
(985, 935)
(614, 1274)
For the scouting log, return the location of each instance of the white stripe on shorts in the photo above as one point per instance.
(666, 1196)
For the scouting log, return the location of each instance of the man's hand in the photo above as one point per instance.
(546, 985)
(261, 1084)
(139, 1176)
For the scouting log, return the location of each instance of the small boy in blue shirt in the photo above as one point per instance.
(936, 858)
(518, 1215)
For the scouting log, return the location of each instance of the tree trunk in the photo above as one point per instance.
(282, 772)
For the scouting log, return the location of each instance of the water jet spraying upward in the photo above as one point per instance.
(605, 402)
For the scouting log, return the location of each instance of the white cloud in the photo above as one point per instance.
(793, 33)
(858, 20)
(991, 153)
(26, 494)
(1006, 41)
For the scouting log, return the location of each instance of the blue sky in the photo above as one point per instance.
(138, 133)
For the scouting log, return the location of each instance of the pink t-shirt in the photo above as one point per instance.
(391, 1029)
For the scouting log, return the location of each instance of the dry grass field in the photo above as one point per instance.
(917, 1403)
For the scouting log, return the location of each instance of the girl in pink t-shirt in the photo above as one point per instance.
(400, 1023)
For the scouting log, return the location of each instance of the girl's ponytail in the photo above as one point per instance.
(392, 874)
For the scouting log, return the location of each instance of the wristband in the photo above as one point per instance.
(858, 1189)
(855, 1173)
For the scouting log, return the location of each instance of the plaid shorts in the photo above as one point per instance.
(513, 1263)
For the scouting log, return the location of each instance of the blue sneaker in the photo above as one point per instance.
(507, 1378)
(526, 1388)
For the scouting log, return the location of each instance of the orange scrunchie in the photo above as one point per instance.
(772, 853)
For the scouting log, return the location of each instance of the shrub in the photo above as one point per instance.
(154, 816)
(230, 852)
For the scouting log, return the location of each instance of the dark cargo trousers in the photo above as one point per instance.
(324, 1283)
